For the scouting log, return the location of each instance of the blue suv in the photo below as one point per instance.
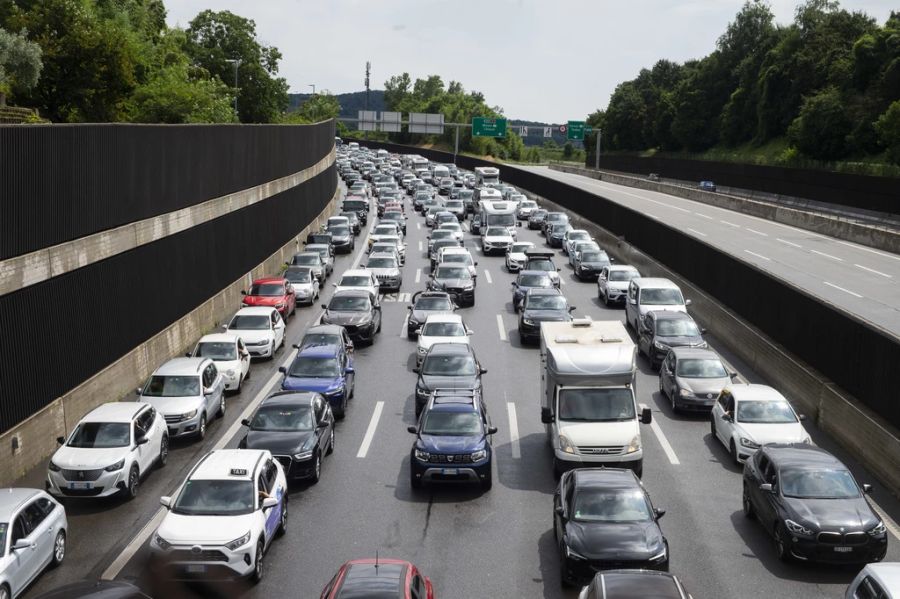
(452, 440)
(325, 369)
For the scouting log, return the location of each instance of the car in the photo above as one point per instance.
(325, 369)
(515, 255)
(223, 518)
(456, 280)
(571, 237)
(466, 196)
(419, 199)
(457, 208)
(33, 535)
(230, 355)
(582, 246)
(378, 577)
(354, 221)
(603, 518)
(325, 334)
(811, 505)
(455, 228)
(556, 233)
(589, 262)
(187, 392)
(108, 452)
(447, 366)
(661, 330)
(627, 584)
(425, 304)
(261, 329)
(646, 294)
(439, 235)
(297, 428)
(444, 216)
(387, 247)
(691, 378)
(529, 279)
(707, 186)
(457, 255)
(343, 239)
(553, 218)
(336, 221)
(437, 246)
(322, 237)
(326, 251)
(613, 281)
(475, 227)
(526, 209)
(358, 205)
(398, 246)
(276, 292)
(313, 261)
(431, 212)
(95, 589)
(397, 217)
(304, 284)
(496, 240)
(441, 328)
(536, 260)
(453, 440)
(358, 278)
(747, 416)
(386, 269)
(541, 305)
(876, 581)
(357, 311)
(536, 220)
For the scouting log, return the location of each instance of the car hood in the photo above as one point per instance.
(252, 335)
(262, 300)
(433, 381)
(498, 238)
(183, 529)
(703, 386)
(168, 406)
(317, 384)
(386, 272)
(599, 433)
(451, 444)
(75, 458)
(305, 287)
(226, 365)
(340, 238)
(681, 340)
(618, 286)
(614, 541)
(279, 443)
(645, 308)
(547, 315)
(518, 256)
(788, 432)
(454, 283)
(853, 514)
(346, 318)
(597, 264)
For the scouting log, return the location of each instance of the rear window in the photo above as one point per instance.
(364, 581)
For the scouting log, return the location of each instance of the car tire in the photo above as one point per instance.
(732, 448)
(283, 520)
(258, 564)
(712, 426)
(564, 581)
(240, 384)
(317, 469)
(781, 547)
(746, 504)
(4, 592)
(331, 443)
(163, 457)
(339, 414)
(221, 411)
(59, 550)
(201, 428)
(134, 482)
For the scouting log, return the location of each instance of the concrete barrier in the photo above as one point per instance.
(883, 238)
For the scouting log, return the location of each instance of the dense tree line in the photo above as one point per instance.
(829, 83)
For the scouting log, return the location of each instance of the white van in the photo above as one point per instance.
(440, 172)
(648, 294)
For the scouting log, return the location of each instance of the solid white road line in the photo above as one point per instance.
(403, 328)
(786, 242)
(827, 255)
(501, 328)
(513, 430)
(487, 275)
(730, 224)
(652, 216)
(657, 202)
(758, 255)
(757, 232)
(865, 249)
(700, 233)
(663, 441)
(842, 289)
(370, 432)
(872, 270)
(704, 215)
(418, 275)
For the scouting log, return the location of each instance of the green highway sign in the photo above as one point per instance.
(485, 127)
(575, 130)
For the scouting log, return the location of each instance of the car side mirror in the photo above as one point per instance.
(61, 440)
(416, 370)
(245, 422)
(801, 417)
(208, 391)
(349, 370)
(492, 430)
(867, 489)
(687, 302)
(572, 308)
(324, 307)
(518, 223)
(282, 369)
(646, 416)
(726, 417)
(224, 327)
(269, 502)
(188, 355)
(409, 308)
(767, 487)
(732, 374)
(470, 332)
(20, 545)
(612, 259)
(702, 331)
(546, 416)
(560, 511)
(659, 513)
(295, 345)
(412, 429)
(138, 391)
(165, 501)
(484, 371)
(243, 292)
(476, 263)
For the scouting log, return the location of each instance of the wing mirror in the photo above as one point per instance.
(243, 292)
(269, 502)
(726, 417)
(138, 391)
(188, 355)
(165, 501)
(659, 513)
(412, 429)
(732, 374)
(324, 307)
(282, 369)
(867, 489)
(646, 416)
(349, 370)
(295, 345)
(245, 422)
(546, 415)
(492, 430)
(687, 302)
(767, 487)
(20, 544)
(416, 370)
(484, 371)
(61, 440)
(560, 511)
(572, 308)
(801, 417)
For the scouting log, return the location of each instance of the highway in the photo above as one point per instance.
(860, 280)
(500, 543)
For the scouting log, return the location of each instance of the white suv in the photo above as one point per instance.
(187, 392)
(109, 451)
(230, 355)
(223, 518)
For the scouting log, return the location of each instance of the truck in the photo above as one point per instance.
(588, 403)
(486, 175)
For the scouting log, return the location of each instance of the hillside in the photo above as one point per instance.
(351, 103)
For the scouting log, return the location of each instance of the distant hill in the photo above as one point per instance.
(351, 103)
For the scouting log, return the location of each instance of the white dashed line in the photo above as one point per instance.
(420, 246)
(842, 289)
(870, 250)
(827, 255)
(758, 255)
(419, 226)
(403, 328)
(501, 328)
(872, 270)
(660, 203)
(513, 431)
(730, 224)
(370, 432)
(663, 441)
(700, 233)
(418, 275)
(487, 275)
(757, 232)
(704, 215)
(790, 243)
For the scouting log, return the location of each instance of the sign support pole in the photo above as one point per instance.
(456, 145)
(597, 152)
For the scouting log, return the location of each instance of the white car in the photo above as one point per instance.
(437, 235)
(261, 328)
(746, 417)
(109, 451)
(526, 208)
(382, 232)
(457, 255)
(878, 581)
(33, 528)
(356, 279)
(515, 255)
(455, 228)
(612, 282)
(188, 392)
(223, 518)
(441, 328)
(304, 283)
(398, 242)
(496, 240)
(230, 355)
(571, 237)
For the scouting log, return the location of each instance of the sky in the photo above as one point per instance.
(539, 60)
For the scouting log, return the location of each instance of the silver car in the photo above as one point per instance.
(691, 378)
(33, 528)
(387, 270)
(188, 392)
(327, 257)
(612, 283)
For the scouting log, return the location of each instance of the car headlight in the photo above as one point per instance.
(303, 455)
(420, 392)
(797, 529)
(239, 542)
(685, 393)
(660, 557)
(53, 467)
(117, 466)
(469, 287)
(189, 415)
(749, 443)
(659, 345)
(878, 530)
(574, 555)
(280, 306)
(421, 350)
(477, 456)
(634, 445)
(162, 543)
(527, 321)
(422, 455)
(566, 446)
(230, 372)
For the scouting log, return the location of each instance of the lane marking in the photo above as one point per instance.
(370, 432)
(501, 328)
(513, 431)
(487, 275)
(870, 250)
(758, 255)
(730, 224)
(663, 441)
(872, 270)
(660, 203)
(786, 242)
(418, 275)
(700, 233)
(757, 232)
(704, 215)
(403, 328)
(827, 255)
(420, 246)
(842, 289)
(419, 226)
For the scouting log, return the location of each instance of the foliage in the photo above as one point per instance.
(319, 107)
(821, 129)
(888, 128)
(20, 62)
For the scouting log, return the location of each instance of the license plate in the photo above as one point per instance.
(450, 471)
(81, 486)
(195, 568)
(843, 549)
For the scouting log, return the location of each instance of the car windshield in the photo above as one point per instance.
(172, 386)
(299, 275)
(250, 322)
(310, 259)
(267, 289)
(349, 304)
(623, 275)
(340, 230)
(578, 235)
(818, 484)
(696, 368)
(355, 205)
(98, 435)
(534, 281)
(594, 257)
(596, 405)
(282, 419)
(443, 329)
(610, 505)
(541, 264)
(496, 232)
(765, 412)
(519, 248)
(454, 204)
(451, 423)
(215, 498)
(661, 297)
(457, 258)
(452, 272)
(395, 216)
(217, 350)
(466, 194)
(433, 303)
(545, 302)
(539, 214)
(677, 328)
(355, 281)
(441, 234)
(311, 339)
(310, 367)
(451, 226)
(455, 365)
(382, 263)
(385, 230)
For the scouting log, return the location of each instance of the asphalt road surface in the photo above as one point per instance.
(473, 544)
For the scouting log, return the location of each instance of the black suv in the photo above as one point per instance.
(542, 305)
(447, 366)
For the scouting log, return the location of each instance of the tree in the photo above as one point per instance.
(213, 38)
(320, 107)
(20, 63)
(821, 128)
(568, 150)
(625, 118)
(888, 128)
(173, 96)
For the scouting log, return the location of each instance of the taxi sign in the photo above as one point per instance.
(239, 472)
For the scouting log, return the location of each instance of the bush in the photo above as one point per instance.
(888, 128)
(820, 131)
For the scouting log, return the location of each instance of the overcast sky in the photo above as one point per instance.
(543, 60)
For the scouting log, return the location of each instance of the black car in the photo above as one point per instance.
(812, 506)
(95, 589)
(447, 366)
(475, 227)
(536, 220)
(628, 584)
(661, 330)
(556, 233)
(542, 305)
(357, 311)
(355, 223)
(342, 239)
(297, 427)
(359, 206)
(529, 279)
(589, 263)
(325, 334)
(456, 280)
(424, 304)
(323, 237)
(603, 519)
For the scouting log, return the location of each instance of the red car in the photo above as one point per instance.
(382, 577)
(273, 291)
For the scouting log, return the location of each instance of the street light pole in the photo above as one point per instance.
(236, 62)
(313, 85)
(597, 151)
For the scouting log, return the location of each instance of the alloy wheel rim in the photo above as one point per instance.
(164, 450)
(60, 548)
(318, 466)
(259, 562)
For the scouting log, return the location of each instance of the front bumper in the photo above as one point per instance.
(361, 333)
(68, 483)
(529, 331)
(462, 297)
(182, 562)
(451, 472)
(182, 428)
(344, 247)
(615, 295)
(568, 461)
(514, 265)
(582, 571)
(810, 549)
(694, 402)
(391, 285)
(232, 380)
(495, 248)
(296, 469)
(261, 351)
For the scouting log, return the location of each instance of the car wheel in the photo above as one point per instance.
(59, 550)
(201, 428)
(672, 402)
(781, 547)
(340, 413)
(283, 521)
(134, 483)
(4, 592)
(163, 458)
(258, 566)
(745, 502)
(240, 383)
(564, 580)
(317, 468)
(330, 443)
(221, 412)
(712, 425)
(733, 449)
